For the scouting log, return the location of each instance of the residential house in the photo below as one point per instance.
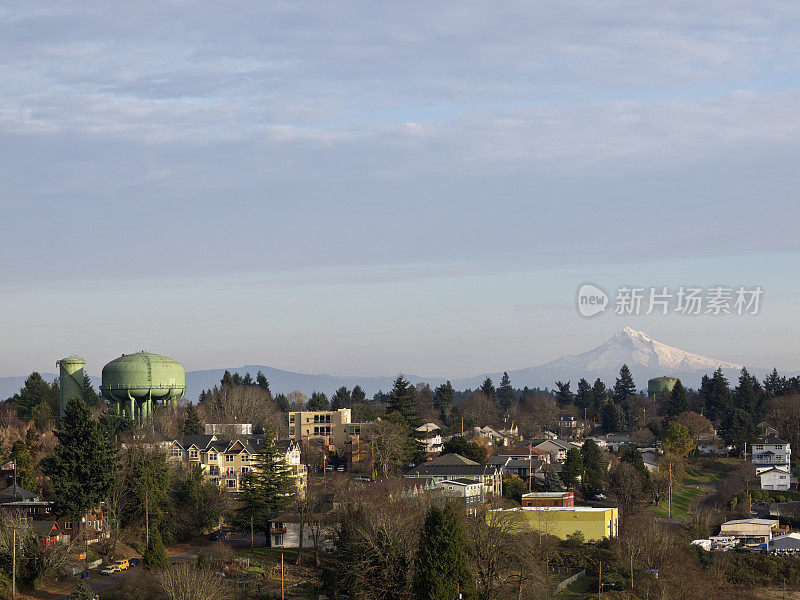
(769, 452)
(229, 430)
(431, 436)
(570, 427)
(713, 445)
(297, 470)
(455, 466)
(468, 491)
(615, 441)
(556, 447)
(319, 530)
(775, 478)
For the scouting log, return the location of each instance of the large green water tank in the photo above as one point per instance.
(659, 385)
(135, 381)
(70, 380)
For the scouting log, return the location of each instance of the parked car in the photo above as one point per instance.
(219, 534)
(340, 468)
(121, 565)
(109, 570)
(328, 468)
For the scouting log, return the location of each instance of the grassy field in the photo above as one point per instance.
(584, 585)
(682, 497)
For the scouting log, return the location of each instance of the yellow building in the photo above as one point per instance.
(561, 521)
(333, 426)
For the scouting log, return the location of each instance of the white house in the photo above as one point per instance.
(769, 452)
(468, 490)
(775, 479)
(431, 436)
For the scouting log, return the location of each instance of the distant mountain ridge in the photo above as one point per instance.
(646, 357)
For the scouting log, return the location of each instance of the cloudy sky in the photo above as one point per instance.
(373, 187)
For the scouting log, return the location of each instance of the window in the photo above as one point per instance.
(229, 458)
(212, 456)
(245, 470)
(229, 471)
(316, 430)
(291, 418)
(316, 418)
(230, 483)
(245, 457)
(759, 447)
(177, 452)
(214, 470)
(67, 524)
(327, 418)
(193, 453)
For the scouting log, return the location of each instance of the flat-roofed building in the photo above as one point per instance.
(548, 499)
(594, 523)
(756, 530)
(335, 427)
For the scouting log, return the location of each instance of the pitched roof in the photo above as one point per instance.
(460, 481)
(7, 495)
(200, 441)
(770, 440)
(523, 450)
(452, 470)
(451, 459)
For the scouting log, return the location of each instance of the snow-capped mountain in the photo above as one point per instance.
(645, 357)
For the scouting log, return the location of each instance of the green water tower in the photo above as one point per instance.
(659, 385)
(137, 383)
(70, 380)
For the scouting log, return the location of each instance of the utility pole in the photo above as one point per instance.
(251, 533)
(146, 517)
(14, 560)
(282, 598)
(600, 580)
(631, 570)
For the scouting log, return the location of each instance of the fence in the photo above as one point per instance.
(572, 579)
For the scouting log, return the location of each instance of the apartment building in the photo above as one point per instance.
(335, 427)
(771, 452)
(225, 462)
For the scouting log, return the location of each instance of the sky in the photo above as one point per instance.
(368, 188)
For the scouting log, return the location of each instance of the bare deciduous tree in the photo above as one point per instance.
(182, 582)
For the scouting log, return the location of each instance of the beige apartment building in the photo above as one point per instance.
(335, 427)
(225, 462)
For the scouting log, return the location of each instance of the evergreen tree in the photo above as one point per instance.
(678, 400)
(82, 466)
(358, 395)
(441, 565)
(227, 379)
(282, 402)
(610, 418)
(318, 401)
(155, 555)
(583, 398)
(624, 386)
(247, 380)
(265, 490)
(261, 381)
(36, 400)
(563, 395)
(552, 482)
(237, 379)
(599, 396)
(487, 387)
(81, 591)
(594, 468)
(573, 467)
(341, 399)
(443, 399)
(91, 397)
(744, 396)
(23, 453)
(774, 384)
(403, 403)
(716, 395)
(505, 393)
(192, 425)
(738, 428)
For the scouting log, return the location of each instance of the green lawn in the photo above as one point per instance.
(584, 585)
(682, 497)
